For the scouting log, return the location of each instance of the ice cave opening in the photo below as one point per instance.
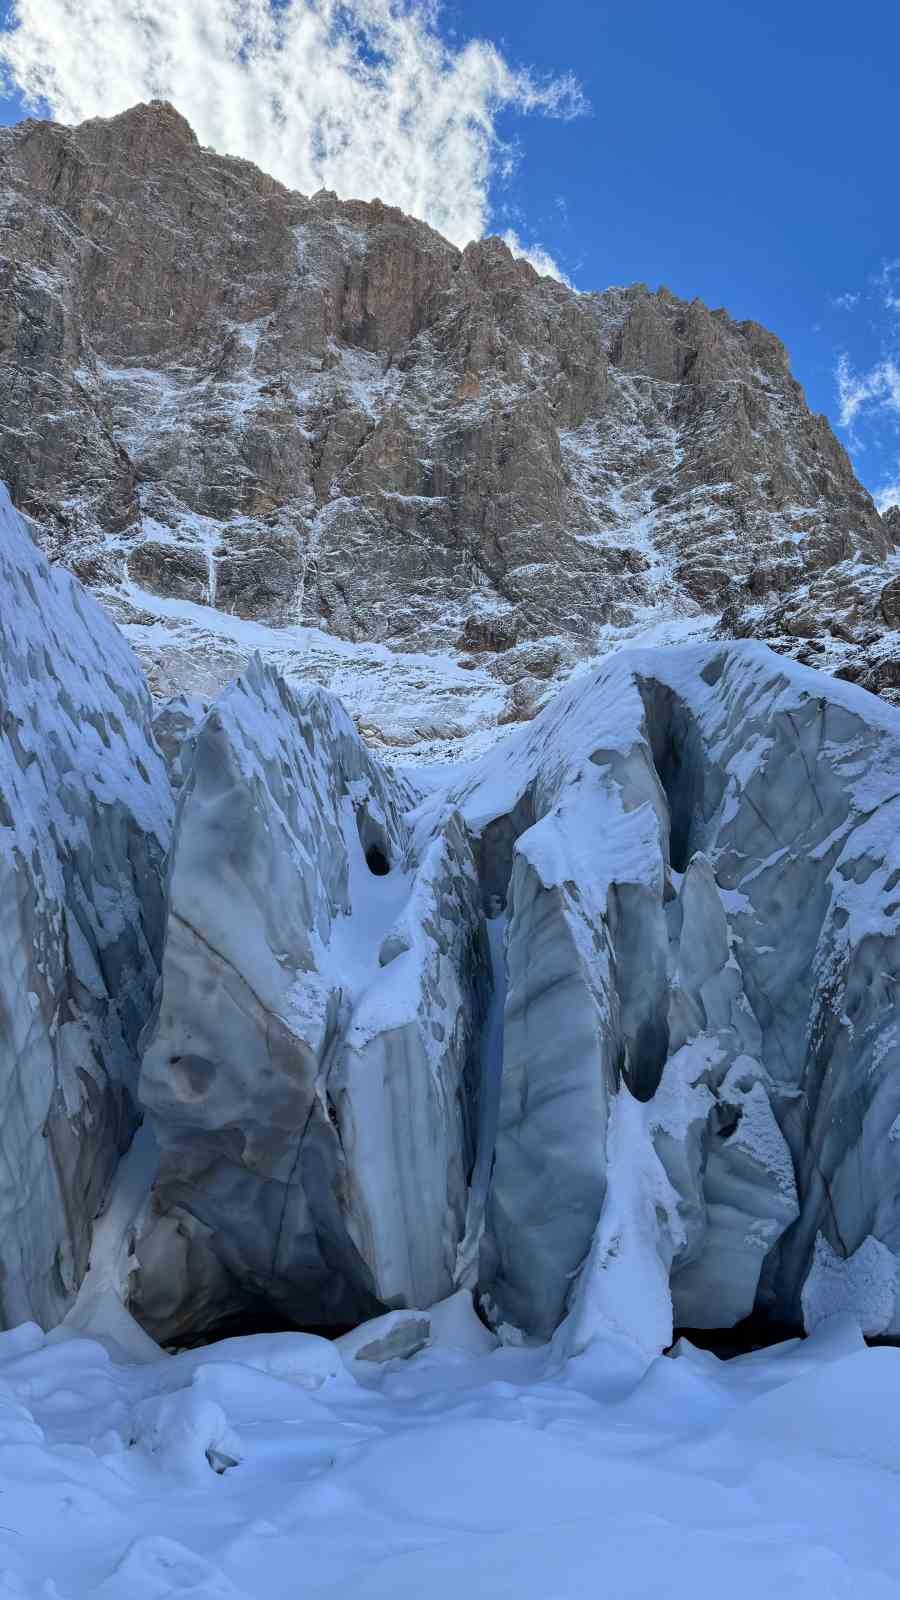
(377, 862)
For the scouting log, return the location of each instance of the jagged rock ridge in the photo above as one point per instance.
(225, 401)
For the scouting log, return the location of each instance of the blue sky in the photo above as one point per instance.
(745, 153)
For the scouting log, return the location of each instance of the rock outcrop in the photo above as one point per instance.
(227, 404)
(310, 1071)
(85, 816)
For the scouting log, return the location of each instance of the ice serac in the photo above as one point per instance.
(698, 851)
(85, 816)
(311, 1068)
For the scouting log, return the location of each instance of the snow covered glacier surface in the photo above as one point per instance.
(85, 815)
(261, 1467)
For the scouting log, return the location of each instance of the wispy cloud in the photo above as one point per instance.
(539, 258)
(889, 283)
(879, 387)
(846, 302)
(868, 392)
(362, 96)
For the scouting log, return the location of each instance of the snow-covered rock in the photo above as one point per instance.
(394, 1337)
(311, 1068)
(184, 1433)
(85, 815)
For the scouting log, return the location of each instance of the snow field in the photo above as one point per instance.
(498, 1472)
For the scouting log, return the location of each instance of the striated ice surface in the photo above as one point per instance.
(85, 815)
(311, 1068)
(698, 851)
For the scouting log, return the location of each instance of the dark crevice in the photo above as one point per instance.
(640, 949)
(494, 850)
(375, 844)
(680, 762)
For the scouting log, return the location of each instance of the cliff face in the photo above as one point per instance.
(434, 478)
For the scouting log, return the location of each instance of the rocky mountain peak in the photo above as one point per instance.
(155, 125)
(428, 477)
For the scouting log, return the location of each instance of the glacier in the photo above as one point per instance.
(521, 1080)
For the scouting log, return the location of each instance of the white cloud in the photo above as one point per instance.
(879, 387)
(846, 301)
(539, 258)
(889, 283)
(361, 96)
(887, 495)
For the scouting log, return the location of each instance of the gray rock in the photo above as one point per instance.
(890, 603)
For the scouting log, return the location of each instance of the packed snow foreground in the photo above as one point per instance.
(597, 1035)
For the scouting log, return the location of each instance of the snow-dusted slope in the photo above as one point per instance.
(424, 478)
(85, 815)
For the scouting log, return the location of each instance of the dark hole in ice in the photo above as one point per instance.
(257, 1318)
(727, 1120)
(756, 1332)
(377, 862)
